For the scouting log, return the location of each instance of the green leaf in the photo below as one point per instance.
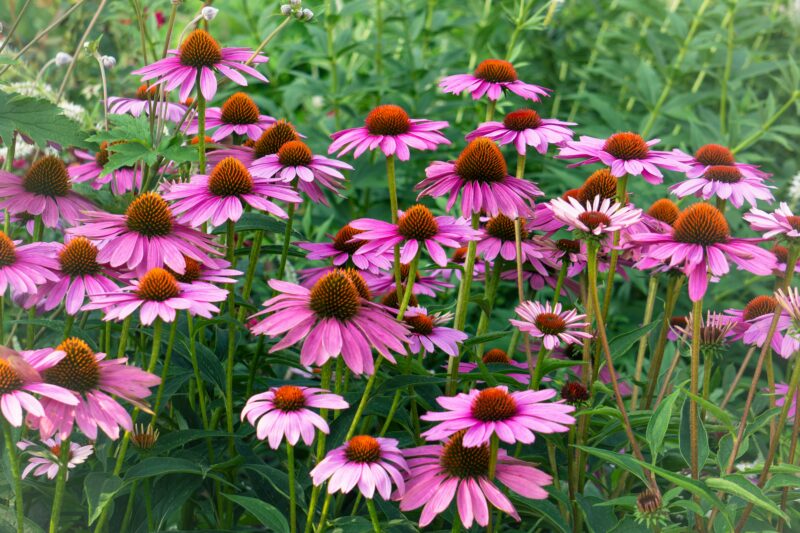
(712, 408)
(659, 423)
(740, 486)
(621, 460)
(684, 438)
(257, 221)
(480, 339)
(156, 466)
(38, 119)
(623, 342)
(100, 489)
(269, 516)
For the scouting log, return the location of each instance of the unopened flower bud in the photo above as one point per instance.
(108, 61)
(298, 14)
(208, 12)
(307, 14)
(286, 10)
(295, 3)
(62, 59)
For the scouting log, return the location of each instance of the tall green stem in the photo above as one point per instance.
(391, 180)
(287, 240)
(292, 489)
(201, 387)
(325, 383)
(373, 516)
(201, 128)
(697, 320)
(671, 299)
(16, 479)
(229, 366)
(768, 124)
(61, 483)
(165, 370)
(652, 290)
(622, 190)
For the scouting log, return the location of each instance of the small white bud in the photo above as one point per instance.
(295, 3)
(108, 61)
(286, 10)
(63, 58)
(307, 14)
(298, 14)
(209, 12)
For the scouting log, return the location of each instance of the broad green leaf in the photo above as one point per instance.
(659, 423)
(623, 461)
(488, 337)
(684, 438)
(623, 342)
(269, 516)
(712, 408)
(257, 221)
(156, 466)
(740, 486)
(38, 119)
(100, 489)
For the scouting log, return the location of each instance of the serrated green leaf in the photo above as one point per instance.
(38, 119)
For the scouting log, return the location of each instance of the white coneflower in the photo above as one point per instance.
(794, 189)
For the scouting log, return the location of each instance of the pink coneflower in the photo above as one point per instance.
(238, 114)
(45, 190)
(26, 268)
(491, 78)
(122, 179)
(712, 155)
(428, 333)
(725, 183)
(197, 60)
(147, 236)
(716, 331)
(781, 223)
(426, 285)
(46, 457)
(441, 472)
(755, 321)
(782, 392)
(342, 251)
(294, 160)
(701, 242)
(497, 356)
(599, 217)
(512, 416)
(369, 462)
(79, 275)
(573, 251)
(625, 153)
(94, 382)
(280, 133)
(415, 227)
(333, 318)
(389, 128)
(19, 379)
(523, 128)
(480, 174)
(220, 196)
(498, 238)
(158, 294)
(144, 100)
(283, 412)
(214, 271)
(551, 324)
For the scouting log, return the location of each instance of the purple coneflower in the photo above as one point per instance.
(213, 271)
(283, 412)
(491, 78)
(45, 190)
(755, 321)
(428, 333)
(122, 179)
(598, 217)
(496, 356)
(46, 457)
(625, 153)
(782, 392)
(523, 128)
(781, 223)
(94, 381)
(441, 472)
(196, 61)
(389, 128)
(725, 183)
(25, 268)
(294, 160)
(498, 238)
(512, 416)
(144, 100)
(712, 155)
(334, 318)
(480, 175)
(238, 114)
(342, 251)
(551, 324)
(700, 242)
(158, 294)
(280, 133)
(415, 227)
(367, 462)
(426, 285)
(147, 236)
(220, 196)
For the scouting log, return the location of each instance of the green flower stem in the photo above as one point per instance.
(201, 388)
(373, 515)
(462, 305)
(622, 188)
(8, 164)
(106, 336)
(164, 370)
(252, 263)
(16, 479)
(330, 23)
(708, 368)
(490, 290)
(490, 107)
(325, 383)
(738, 378)
(30, 330)
(61, 483)
(408, 291)
(2, 316)
(652, 291)
(123, 337)
(768, 124)
(562, 275)
(670, 300)
(726, 73)
(292, 489)
(538, 371)
(287, 239)
(201, 128)
(697, 319)
(391, 180)
(229, 365)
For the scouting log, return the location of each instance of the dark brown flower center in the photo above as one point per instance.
(550, 324)
(502, 227)
(462, 462)
(418, 223)
(601, 183)
(47, 177)
(459, 255)
(230, 178)
(522, 119)
(568, 246)
(496, 355)
(358, 281)
(496, 71)
(79, 258)
(143, 437)
(794, 222)
(200, 50)
(626, 146)
(191, 272)
(363, 449)
(714, 154)
(701, 223)
(572, 193)
(481, 161)
(422, 324)
(289, 398)
(492, 405)
(101, 157)
(8, 252)
(387, 120)
(280, 133)
(594, 219)
(759, 306)
(664, 210)
(649, 501)
(9, 379)
(149, 215)
(158, 285)
(294, 154)
(390, 299)
(724, 174)
(574, 392)
(335, 296)
(678, 321)
(781, 252)
(143, 93)
(341, 241)
(78, 370)
(239, 109)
